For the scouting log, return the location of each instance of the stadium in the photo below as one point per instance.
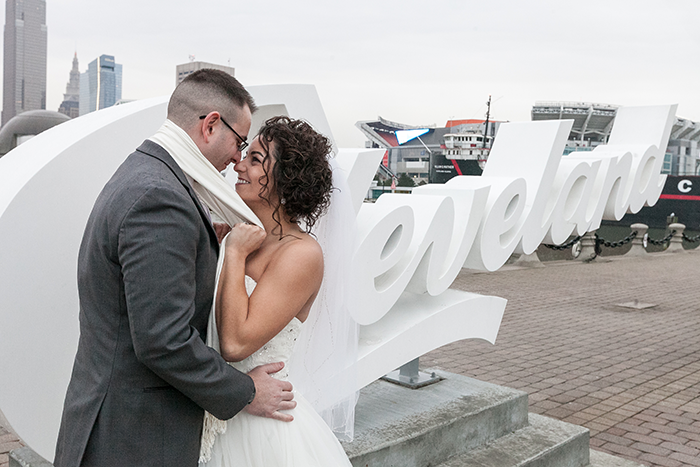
(430, 154)
(593, 123)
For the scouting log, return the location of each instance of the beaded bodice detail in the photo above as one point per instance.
(277, 349)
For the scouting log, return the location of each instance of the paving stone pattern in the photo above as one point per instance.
(8, 442)
(631, 376)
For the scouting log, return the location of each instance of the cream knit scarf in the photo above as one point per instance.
(211, 187)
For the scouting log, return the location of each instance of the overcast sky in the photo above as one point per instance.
(414, 62)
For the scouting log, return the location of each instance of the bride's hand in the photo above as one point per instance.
(244, 239)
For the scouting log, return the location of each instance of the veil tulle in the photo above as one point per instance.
(322, 366)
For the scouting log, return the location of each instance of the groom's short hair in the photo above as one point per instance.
(205, 91)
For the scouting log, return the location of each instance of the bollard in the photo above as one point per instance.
(676, 244)
(639, 242)
(587, 247)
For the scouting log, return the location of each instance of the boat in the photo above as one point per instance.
(428, 154)
(679, 202)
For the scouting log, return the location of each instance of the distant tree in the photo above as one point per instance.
(405, 180)
(381, 180)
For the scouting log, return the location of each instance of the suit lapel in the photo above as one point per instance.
(154, 150)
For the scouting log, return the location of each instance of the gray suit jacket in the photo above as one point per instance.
(143, 375)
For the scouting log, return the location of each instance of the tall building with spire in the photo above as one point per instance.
(24, 86)
(71, 99)
(100, 85)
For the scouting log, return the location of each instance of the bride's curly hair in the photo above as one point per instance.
(301, 176)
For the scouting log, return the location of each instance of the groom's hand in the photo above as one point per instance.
(271, 395)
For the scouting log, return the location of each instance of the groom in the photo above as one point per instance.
(143, 375)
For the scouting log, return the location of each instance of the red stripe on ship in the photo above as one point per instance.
(684, 197)
(459, 171)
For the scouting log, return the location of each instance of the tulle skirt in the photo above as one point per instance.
(251, 441)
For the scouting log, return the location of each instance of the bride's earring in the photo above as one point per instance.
(283, 201)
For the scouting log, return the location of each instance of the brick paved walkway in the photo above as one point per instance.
(8, 442)
(631, 376)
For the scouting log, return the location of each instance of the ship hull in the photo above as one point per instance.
(680, 197)
(443, 169)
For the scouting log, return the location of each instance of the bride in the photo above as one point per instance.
(266, 287)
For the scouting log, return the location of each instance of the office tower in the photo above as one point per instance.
(71, 99)
(186, 68)
(24, 57)
(100, 85)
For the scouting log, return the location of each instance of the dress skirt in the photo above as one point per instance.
(251, 441)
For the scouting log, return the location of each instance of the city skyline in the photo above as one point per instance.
(71, 98)
(401, 60)
(24, 60)
(100, 84)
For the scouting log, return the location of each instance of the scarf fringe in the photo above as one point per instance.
(213, 427)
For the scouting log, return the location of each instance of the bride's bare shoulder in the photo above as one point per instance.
(306, 245)
(301, 252)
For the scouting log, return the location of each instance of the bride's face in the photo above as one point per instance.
(255, 174)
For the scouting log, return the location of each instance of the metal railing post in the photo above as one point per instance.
(407, 375)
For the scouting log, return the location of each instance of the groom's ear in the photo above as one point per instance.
(206, 127)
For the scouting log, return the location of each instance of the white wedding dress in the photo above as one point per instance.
(250, 441)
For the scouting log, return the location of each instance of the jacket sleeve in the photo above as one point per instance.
(157, 250)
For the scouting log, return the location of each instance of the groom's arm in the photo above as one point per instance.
(158, 243)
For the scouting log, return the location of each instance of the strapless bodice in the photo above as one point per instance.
(277, 349)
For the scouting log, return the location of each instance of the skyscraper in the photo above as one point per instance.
(71, 99)
(100, 85)
(24, 57)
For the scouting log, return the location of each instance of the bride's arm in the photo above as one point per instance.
(288, 284)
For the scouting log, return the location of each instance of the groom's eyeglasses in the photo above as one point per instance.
(244, 143)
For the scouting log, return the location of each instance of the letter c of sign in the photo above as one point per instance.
(684, 186)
